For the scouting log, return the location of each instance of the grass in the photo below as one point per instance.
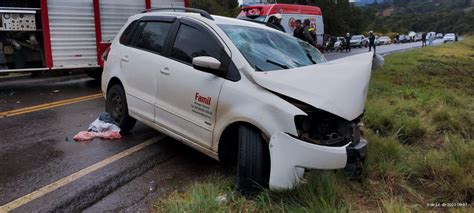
(420, 126)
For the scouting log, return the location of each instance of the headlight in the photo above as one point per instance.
(323, 128)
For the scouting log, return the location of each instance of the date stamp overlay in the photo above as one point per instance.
(448, 205)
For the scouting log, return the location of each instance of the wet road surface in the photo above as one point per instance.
(36, 149)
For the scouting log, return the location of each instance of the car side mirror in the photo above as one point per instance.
(207, 64)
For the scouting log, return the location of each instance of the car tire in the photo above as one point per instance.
(253, 162)
(116, 105)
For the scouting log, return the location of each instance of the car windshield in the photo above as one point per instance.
(449, 35)
(268, 50)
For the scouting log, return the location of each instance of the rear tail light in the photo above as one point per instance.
(105, 54)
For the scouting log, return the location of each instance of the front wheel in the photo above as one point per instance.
(116, 105)
(253, 167)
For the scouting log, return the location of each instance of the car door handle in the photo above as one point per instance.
(125, 59)
(165, 71)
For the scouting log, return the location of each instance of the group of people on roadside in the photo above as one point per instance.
(347, 42)
(305, 32)
(427, 36)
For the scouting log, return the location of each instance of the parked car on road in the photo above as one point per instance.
(359, 41)
(449, 37)
(240, 92)
(383, 40)
(404, 39)
(338, 45)
(411, 36)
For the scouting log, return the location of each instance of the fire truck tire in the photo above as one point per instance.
(253, 167)
(95, 74)
(36, 74)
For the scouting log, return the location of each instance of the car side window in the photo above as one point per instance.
(126, 36)
(191, 42)
(153, 36)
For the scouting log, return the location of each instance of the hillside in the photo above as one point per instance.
(423, 15)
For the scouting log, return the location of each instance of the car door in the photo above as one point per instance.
(141, 62)
(187, 98)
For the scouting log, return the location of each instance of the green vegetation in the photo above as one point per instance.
(420, 127)
(423, 16)
(224, 8)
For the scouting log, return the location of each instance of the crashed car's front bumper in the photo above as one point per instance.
(290, 157)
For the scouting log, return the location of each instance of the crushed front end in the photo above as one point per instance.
(324, 141)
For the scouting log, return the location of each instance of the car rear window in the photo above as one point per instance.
(153, 36)
(127, 34)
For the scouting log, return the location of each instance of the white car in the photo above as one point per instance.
(239, 92)
(383, 40)
(449, 37)
(359, 41)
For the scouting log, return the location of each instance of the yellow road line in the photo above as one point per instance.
(71, 178)
(48, 105)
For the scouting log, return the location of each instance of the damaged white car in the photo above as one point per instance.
(239, 92)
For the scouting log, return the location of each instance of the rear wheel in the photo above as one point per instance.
(116, 105)
(253, 167)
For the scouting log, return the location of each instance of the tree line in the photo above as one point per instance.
(341, 17)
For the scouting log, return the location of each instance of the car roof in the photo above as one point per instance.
(219, 20)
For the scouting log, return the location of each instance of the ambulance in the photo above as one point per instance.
(290, 13)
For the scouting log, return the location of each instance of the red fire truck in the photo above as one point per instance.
(38, 35)
(290, 13)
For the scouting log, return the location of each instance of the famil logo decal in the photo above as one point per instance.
(202, 99)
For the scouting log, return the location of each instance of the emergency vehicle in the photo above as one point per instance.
(290, 13)
(38, 35)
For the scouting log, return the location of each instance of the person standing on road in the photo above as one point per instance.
(308, 37)
(276, 21)
(430, 39)
(298, 32)
(371, 41)
(348, 42)
(397, 38)
(423, 40)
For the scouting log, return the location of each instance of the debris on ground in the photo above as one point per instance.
(103, 127)
(85, 135)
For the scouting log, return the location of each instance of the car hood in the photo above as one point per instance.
(339, 87)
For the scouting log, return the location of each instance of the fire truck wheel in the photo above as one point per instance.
(95, 74)
(36, 74)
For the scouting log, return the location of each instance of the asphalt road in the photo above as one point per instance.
(382, 50)
(43, 169)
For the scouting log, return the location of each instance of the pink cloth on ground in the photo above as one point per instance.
(85, 135)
